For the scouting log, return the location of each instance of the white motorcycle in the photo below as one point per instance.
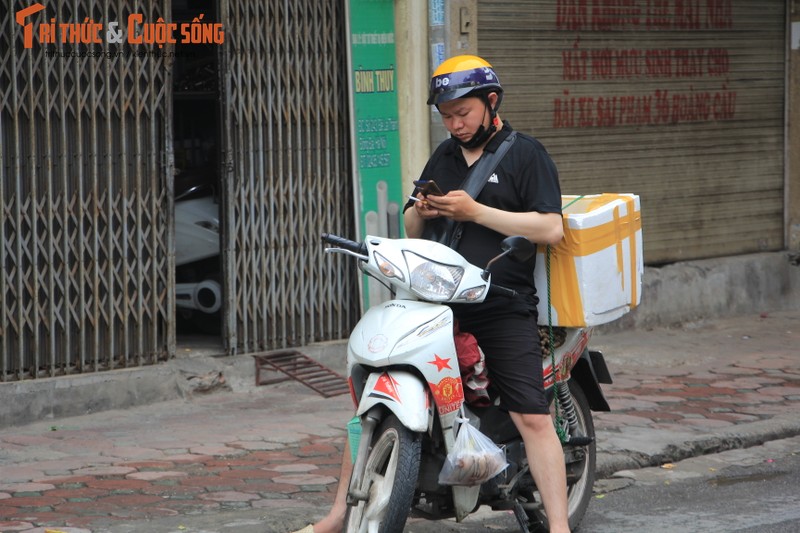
(409, 398)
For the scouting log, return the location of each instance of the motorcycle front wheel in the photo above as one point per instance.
(580, 472)
(389, 480)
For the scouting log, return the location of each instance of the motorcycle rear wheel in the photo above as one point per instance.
(389, 479)
(579, 493)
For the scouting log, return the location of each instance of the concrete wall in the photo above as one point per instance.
(51, 398)
(715, 288)
(411, 28)
(793, 130)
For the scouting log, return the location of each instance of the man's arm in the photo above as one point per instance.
(413, 223)
(541, 228)
(415, 216)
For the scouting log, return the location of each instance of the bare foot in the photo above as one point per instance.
(333, 523)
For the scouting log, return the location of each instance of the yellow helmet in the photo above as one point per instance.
(459, 76)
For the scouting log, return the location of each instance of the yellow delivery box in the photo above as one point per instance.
(596, 270)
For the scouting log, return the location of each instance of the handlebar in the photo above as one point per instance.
(499, 290)
(359, 248)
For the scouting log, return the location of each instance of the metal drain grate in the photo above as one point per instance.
(301, 368)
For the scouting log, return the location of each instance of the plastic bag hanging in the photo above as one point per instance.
(474, 459)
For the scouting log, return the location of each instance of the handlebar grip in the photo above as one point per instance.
(353, 246)
(499, 290)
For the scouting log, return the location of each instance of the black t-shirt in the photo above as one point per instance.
(525, 180)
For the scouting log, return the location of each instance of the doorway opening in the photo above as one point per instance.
(197, 149)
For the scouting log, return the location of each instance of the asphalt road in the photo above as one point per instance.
(742, 491)
(752, 490)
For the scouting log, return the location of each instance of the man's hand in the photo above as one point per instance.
(542, 228)
(424, 209)
(456, 204)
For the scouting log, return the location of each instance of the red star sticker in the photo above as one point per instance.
(440, 363)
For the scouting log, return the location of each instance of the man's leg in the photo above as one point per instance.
(546, 459)
(334, 522)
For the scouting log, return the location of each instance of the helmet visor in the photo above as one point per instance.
(452, 85)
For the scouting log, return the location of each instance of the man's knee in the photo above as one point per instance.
(533, 422)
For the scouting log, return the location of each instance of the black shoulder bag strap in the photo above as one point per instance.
(473, 184)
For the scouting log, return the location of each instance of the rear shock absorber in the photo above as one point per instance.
(574, 435)
(567, 407)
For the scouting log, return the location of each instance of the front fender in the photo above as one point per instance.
(403, 393)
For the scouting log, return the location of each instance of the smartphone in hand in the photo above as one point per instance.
(428, 187)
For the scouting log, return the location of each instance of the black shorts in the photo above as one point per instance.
(510, 342)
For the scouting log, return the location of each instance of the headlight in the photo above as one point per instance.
(433, 281)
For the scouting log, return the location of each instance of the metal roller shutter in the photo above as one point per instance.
(85, 199)
(287, 179)
(681, 102)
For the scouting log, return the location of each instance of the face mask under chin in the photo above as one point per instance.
(480, 137)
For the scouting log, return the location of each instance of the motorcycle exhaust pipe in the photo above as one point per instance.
(205, 296)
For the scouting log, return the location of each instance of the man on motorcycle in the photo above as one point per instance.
(521, 197)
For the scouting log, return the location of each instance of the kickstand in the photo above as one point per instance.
(522, 517)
